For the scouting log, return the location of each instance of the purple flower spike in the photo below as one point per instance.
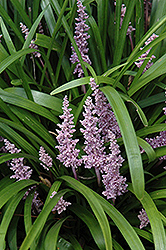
(45, 158)
(61, 205)
(115, 184)
(21, 171)
(106, 118)
(164, 111)
(81, 37)
(123, 11)
(32, 45)
(157, 142)
(96, 157)
(164, 107)
(68, 153)
(94, 148)
(143, 218)
(145, 55)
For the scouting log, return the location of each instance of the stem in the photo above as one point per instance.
(98, 176)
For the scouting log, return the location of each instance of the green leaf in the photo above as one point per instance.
(33, 30)
(158, 194)
(27, 104)
(98, 40)
(43, 234)
(80, 106)
(52, 235)
(157, 12)
(110, 71)
(6, 109)
(122, 34)
(44, 41)
(157, 69)
(28, 133)
(57, 8)
(91, 223)
(12, 25)
(116, 245)
(129, 138)
(95, 206)
(154, 99)
(155, 221)
(6, 181)
(74, 245)
(8, 157)
(151, 129)
(84, 81)
(122, 224)
(49, 15)
(7, 37)
(146, 235)
(148, 149)
(13, 189)
(21, 11)
(28, 211)
(71, 84)
(9, 211)
(136, 53)
(55, 187)
(12, 230)
(138, 109)
(110, 81)
(102, 15)
(23, 143)
(27, 118)
(15, 56)
(40, 221)
(42, 99)
(65, 245)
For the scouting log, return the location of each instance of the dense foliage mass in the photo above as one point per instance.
(82, 124)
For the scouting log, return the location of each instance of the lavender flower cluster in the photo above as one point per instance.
(106, 118)
(68, 153)
(32, 45)
(47, 160)
(143, 218)
(107, 165)
(123, 11)
(145, 55)
(157, 142)
(21, 172)
(61, 204)
(164, 107)
(81, 37)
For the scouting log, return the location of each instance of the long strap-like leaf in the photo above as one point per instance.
(129, 138)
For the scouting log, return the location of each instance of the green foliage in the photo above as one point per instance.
(31, 94)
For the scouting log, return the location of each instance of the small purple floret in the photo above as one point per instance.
(143, 218)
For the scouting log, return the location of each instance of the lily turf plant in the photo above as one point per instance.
(82, 125)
